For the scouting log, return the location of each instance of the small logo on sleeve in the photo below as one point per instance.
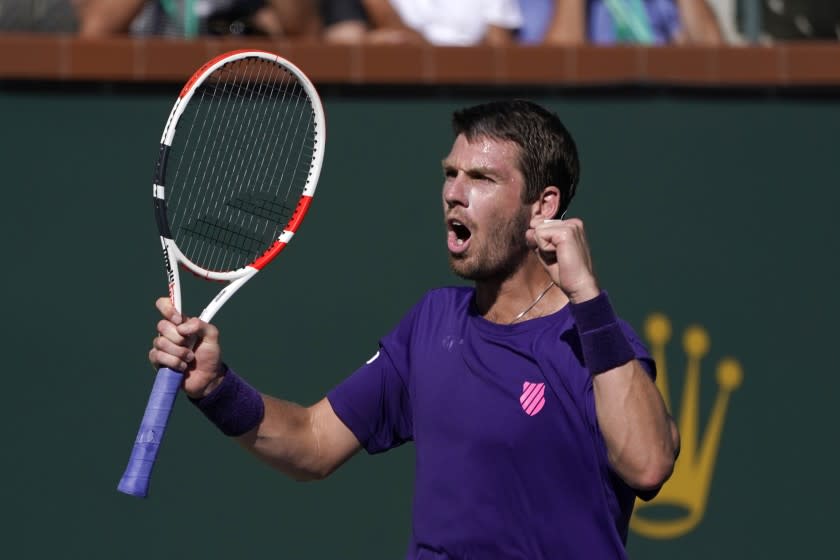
(533, 397)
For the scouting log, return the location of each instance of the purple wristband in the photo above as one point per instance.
(234, 406)
(602, 341)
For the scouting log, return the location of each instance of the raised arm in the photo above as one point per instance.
(306, 443)
(641, 438)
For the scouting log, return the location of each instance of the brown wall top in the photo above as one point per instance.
(153, 59)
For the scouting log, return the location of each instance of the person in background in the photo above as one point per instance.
(343, 21)
(190, 18)
(443, 22)
(606, 22)
(38, 16)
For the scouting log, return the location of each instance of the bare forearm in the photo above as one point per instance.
(699, 23)
(297, 17)
(304, 443)
(98, 18)
(568, 25)
(383, 15)
(641, 438)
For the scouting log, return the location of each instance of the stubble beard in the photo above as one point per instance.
(502, 253)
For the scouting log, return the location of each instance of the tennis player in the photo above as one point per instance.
(532, 406)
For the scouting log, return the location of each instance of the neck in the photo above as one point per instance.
(503, 300)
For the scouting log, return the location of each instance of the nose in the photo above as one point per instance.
(454, 191)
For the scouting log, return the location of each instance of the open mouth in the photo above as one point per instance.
(458, 237)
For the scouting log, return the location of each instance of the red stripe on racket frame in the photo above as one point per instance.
(294, 223)
(198, 73)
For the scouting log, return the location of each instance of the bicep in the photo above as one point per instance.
(335, 442)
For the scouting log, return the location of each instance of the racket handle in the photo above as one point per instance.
(135, 480)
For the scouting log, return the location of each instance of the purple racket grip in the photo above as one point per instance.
(135, 480)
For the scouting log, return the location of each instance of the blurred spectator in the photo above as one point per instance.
(726, 12)
(606, 22)
(344, 21)
(277, 18)
(443, 22)
(792, 20)
(188, 18)
(48, 16)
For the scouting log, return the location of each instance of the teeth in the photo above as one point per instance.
(459, 241)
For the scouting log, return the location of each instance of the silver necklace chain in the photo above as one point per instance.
(530, 307)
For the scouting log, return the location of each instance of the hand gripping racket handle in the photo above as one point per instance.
(135, 480)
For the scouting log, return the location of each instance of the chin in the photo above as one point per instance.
(477, 269)
(467, 268)
(461, 268)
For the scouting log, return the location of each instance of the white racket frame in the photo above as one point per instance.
(236, 278)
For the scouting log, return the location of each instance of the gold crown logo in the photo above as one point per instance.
(688, 488)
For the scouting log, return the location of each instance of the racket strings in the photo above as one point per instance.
(230, 97)
(241, 100)
(289, 147)
(243, 164)
(264, 164)
(215, 102)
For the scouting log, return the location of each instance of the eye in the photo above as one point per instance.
(479, 176)
(450, 173)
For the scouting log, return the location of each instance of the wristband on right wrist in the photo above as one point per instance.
(234, 406)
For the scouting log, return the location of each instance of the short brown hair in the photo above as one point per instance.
(547, 151)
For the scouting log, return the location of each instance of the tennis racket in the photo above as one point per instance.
(230, 190)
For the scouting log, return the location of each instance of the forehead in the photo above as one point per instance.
(485, 152)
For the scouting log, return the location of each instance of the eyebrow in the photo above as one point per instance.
(481, 170)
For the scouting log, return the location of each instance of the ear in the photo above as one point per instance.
(547, 205)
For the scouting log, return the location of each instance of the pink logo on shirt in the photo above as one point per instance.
(533, 397)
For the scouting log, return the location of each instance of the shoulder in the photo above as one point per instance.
(446, 300)
(449, 295)
(438, 305)
(640, 349)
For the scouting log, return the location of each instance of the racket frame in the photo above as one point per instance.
(136, 479)
(172, 255)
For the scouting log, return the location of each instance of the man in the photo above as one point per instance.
(531, 405)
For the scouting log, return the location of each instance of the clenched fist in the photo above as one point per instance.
(562, 248)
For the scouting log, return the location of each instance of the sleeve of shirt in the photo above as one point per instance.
(639, 349)
(374, 402)
(503, 13)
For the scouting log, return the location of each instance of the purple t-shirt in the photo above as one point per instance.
(510, 462)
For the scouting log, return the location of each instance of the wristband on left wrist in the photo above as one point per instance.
(602, 339)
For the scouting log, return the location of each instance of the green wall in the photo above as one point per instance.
(718, 212)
